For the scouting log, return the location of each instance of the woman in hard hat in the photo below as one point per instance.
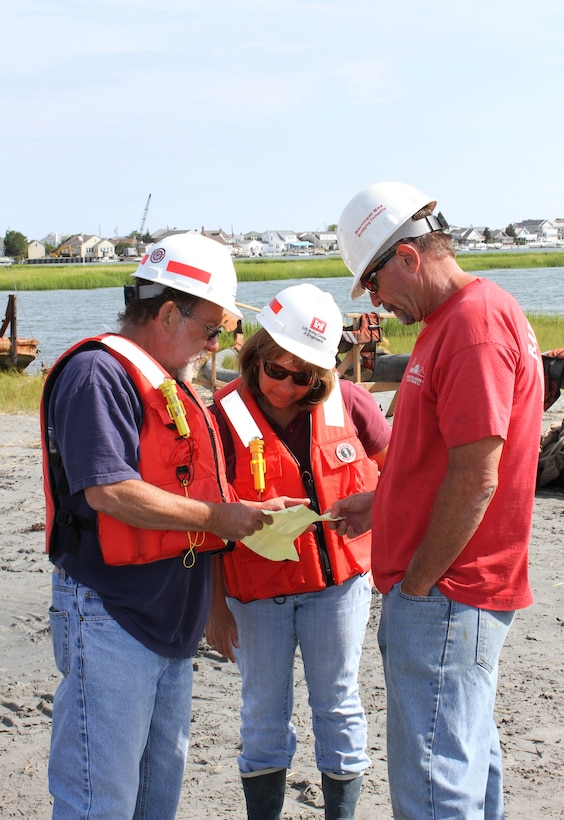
(324, 439)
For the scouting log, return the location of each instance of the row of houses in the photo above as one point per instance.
(530, 232)
(97, 249)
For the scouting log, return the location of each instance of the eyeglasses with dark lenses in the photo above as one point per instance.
(211, 332)
(370, 280)
(279, 373)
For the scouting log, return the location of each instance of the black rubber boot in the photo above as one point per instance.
(341, 796)
(264, 794)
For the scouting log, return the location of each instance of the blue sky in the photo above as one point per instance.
(264, 114)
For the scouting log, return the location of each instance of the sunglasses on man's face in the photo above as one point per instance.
(279, 373)
(211, 332)
(370, 280)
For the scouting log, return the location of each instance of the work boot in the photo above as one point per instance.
(341, 796)
(264, 794)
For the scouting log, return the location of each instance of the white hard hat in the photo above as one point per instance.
(306, 322)
(377, 218)
(193, 264)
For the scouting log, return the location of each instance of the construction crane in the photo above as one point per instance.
(144, 219)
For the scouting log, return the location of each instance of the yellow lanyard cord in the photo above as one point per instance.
(195, 539)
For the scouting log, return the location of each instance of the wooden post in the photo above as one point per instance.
(11, 316)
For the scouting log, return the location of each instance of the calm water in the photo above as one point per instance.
(60, 318)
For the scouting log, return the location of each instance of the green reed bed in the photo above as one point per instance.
(64, 277)
(503, 260)
(20, 393)
(263, 270)
(71, 277)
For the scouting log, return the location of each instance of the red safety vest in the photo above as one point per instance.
(165, 459)
(340, 468)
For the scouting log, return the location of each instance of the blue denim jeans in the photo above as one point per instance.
(121, 716)
(329, 627)
(440, 662)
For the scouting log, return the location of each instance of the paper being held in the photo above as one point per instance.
(276, 541)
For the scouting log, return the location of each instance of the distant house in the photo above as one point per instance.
(54, 238)
(219, 235)
(276, 243)
(522, 235)
(559, 225)
(247, 244)
(87, 248)
(104, 249)
(537, 231)
(467, 237)
(35, 250)
(320, 240)
(502, 238)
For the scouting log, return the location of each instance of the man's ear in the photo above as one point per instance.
(168, 314)
(409, 255)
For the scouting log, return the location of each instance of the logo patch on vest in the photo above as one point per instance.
(345, 452)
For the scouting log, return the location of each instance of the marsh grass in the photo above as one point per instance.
(73, 277)
(20, 393)
(65, 277)
(502, 260)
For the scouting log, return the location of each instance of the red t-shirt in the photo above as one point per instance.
(475, 371)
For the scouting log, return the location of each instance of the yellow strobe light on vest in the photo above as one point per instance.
(258, 464)
(176, 409)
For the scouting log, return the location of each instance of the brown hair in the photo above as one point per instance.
(261, 345)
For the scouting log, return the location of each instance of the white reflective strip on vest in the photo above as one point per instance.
(142, 361)
(333, 406)
(240, 417)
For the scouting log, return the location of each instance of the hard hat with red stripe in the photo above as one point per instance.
(306, 322)
(194, 264)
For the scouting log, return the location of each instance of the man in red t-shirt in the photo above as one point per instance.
(452, 515)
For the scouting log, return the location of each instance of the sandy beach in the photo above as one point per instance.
(530, 706)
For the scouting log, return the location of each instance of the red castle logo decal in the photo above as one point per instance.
(318, 325)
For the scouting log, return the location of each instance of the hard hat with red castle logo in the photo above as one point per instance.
(193, 264)
(306, 322)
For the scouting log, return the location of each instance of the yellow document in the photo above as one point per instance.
(276, 541)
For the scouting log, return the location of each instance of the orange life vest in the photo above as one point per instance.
(191, 466)
(340, 467)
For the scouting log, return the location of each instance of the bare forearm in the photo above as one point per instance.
(145, 506)
(454, 520)
(461, 502)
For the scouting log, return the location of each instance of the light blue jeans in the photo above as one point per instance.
(121, 716)
(329, 627)
(440, 663)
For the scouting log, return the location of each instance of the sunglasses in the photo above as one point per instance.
(211, 332)
(279, 373)
(370, 280)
